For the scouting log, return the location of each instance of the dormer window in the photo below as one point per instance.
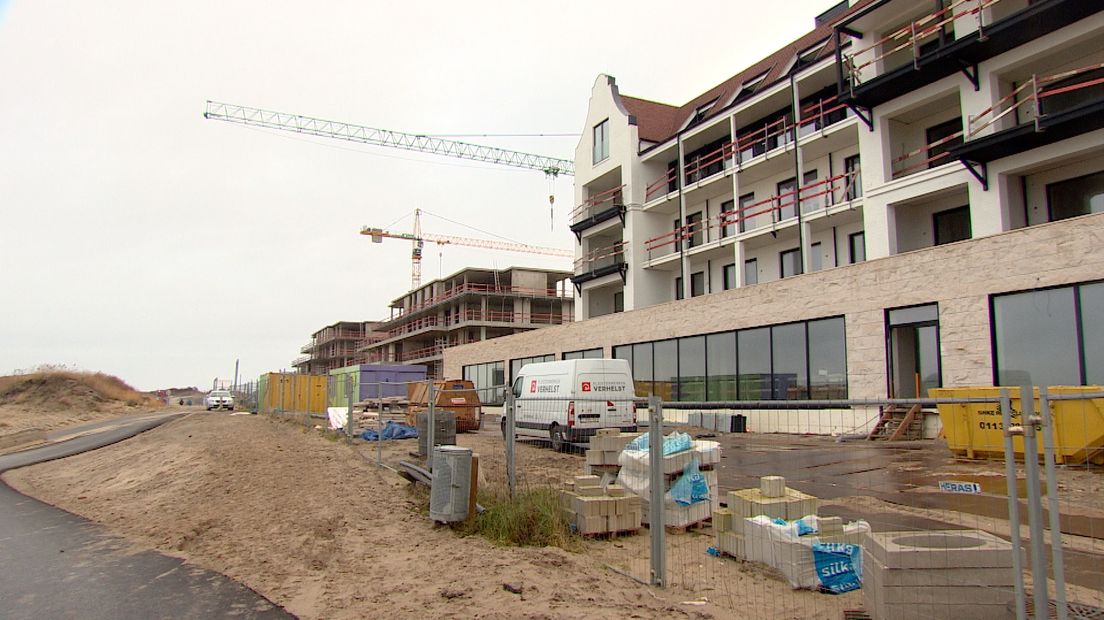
(748, 88)
(700, 112)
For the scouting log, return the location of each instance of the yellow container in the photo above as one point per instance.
(976, 430)
(292, 392)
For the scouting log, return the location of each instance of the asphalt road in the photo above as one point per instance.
(59, 565)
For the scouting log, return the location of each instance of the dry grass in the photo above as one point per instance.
(45, 384)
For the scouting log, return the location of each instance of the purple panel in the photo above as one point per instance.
(398, 375)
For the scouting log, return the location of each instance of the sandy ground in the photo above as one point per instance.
(311, 524)
(22, 427)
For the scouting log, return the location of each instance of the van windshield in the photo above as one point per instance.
(517, 387)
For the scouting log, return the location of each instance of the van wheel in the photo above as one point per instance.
(555, 436)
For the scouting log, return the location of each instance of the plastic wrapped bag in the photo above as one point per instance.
(673, 443)
(691, 487)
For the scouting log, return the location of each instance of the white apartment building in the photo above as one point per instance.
(902, 198)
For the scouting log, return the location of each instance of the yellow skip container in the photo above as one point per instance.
(976, 430)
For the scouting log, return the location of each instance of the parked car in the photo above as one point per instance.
(568, 401)
(219, 399)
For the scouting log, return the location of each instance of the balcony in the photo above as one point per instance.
(931, 47)
(301, 360)
(410, 327)
(1055, 107)
(599, 208)
(509, 317)
(599, 263)
(472, 288)
(782, 208)
(307, 348)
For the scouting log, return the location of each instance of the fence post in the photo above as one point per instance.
(511, 471)
(1052, 497)
(431, 410)
(379, 420)
(1013, 504)
(1034, 503)
(349, 419)
(656, 524)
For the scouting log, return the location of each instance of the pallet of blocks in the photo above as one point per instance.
(705, 454)
(772, 499)
(593, 510)
(605, 449)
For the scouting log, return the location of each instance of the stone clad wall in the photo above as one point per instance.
(959, 276)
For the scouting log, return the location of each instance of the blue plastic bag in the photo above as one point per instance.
(838, 566)
(672, 444)
(392, 430)
(691, 486)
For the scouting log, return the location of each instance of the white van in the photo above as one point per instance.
(568, 401)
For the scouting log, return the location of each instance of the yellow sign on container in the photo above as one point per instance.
(976, 430)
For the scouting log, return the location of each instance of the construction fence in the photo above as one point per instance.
(844, 514)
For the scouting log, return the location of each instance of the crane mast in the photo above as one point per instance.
(418, 238)
(257, 117)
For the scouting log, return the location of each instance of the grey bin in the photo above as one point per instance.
(448, 497)
(444, 430)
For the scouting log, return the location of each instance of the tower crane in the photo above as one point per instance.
(419, 238)
(256, 117)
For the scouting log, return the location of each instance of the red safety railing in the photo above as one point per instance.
(900, 168)
(1038, 91)
(431, 351)
(412, 326)
(695, 169)
(910, 36)
(761, 138)
(489, 289)
(590, 205)
(602, 257)
(660, 186)
(818, 113)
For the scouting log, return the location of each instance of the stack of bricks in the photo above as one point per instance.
(708, 455)
(772, 499)
(605, 450)
(595, 510)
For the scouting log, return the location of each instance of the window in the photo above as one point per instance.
(728, 276)
(691, 369)
(827, 359)
(1074, 197)
(697, 283)
(665, 367)
(642, 368)
(601, 141)
(853, 182)
(678, 288)
(816, 256)
(623, 352)
(720, 365)
(788, 372)
(1049, 336)
(489, 380)
(856, 247)
(754, 361)
(791, 262)
(914, 359)
(700, 112)
(951, 225)
(787, 199)
(585, 354)
(619, 302)
(518, 364)
(938, 154)
(679, 232)
(727, 216)
(1087, 93)
(813, 198)
(751, 271)
(693, 230)
(751, 217)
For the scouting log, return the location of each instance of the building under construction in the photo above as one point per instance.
(470, 305)
(334, 346)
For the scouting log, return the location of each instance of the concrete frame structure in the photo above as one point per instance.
(857, 202)
(333, 346)
(470, 305)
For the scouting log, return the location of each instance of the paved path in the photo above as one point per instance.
(59, 565)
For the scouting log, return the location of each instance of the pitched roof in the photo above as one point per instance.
(657, 122)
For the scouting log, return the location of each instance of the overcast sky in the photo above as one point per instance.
(141, 240)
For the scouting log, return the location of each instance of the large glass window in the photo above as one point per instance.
(489, 380)
(697, 283)
(754, 359)
(1092, 335)
(666, 368)
(856, 247)
(1036, 337)
(790, 380)
(951, 225)
(518, 364)
(585, 354)
(691, 369)
(1080, 196)
(623, 352)
(720, 363)
(827, 359)
(642, 368)
(601, 141)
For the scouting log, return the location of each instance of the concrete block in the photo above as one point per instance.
(694, 418)
(709, 420)
(615, 490)
(732, 544)
(594, 457)
(606, 432)
(772, 486)
(722, 520)
(939, 549)
(594, 491)
(829, 526)
(591, 525)
(586, 481)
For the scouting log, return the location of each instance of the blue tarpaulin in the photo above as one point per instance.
(392, 430)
